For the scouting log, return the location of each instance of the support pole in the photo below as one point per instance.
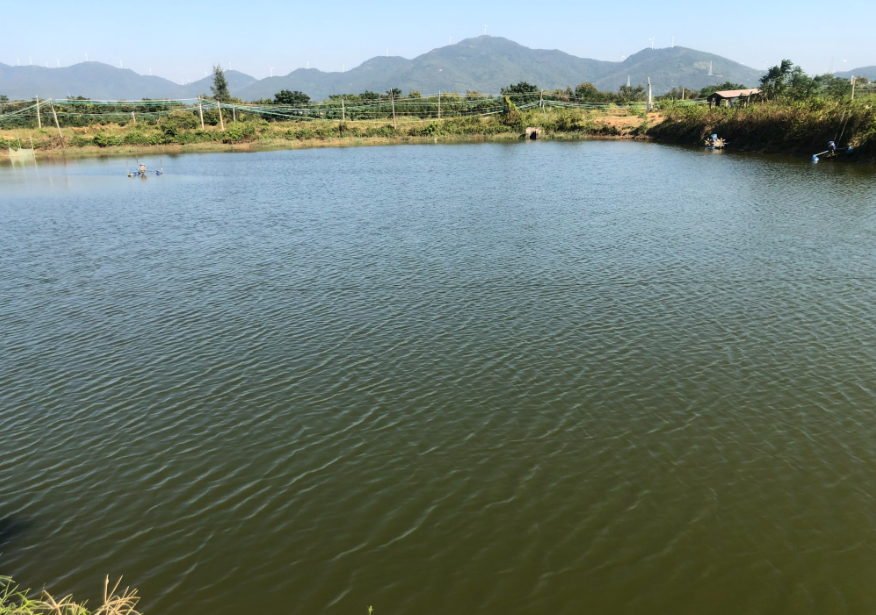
(853, 88)
(221, 121)
(133, 117)
(233, 114)
(201, 112)
(39, 119)
(682, 93)
(343, 111)
(541, 100)
(392, 101)
(650, 103)
(57, 125)
(439, 104)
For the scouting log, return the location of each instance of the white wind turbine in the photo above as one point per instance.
(652, 41)
(272, 71)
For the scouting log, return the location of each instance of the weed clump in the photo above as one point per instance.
(17, 601)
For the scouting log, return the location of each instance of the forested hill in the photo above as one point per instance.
(100, 81)
(865, 71)
(483, 64)
(486, 64)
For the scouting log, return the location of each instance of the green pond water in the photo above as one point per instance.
(591, 377)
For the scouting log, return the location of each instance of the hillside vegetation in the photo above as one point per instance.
(482, 64)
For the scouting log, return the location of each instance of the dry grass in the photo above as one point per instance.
(148, 139)
(16, 601)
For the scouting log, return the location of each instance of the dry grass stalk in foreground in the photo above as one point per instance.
(15, 601)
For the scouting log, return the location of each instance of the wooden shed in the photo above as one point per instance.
(730, 96)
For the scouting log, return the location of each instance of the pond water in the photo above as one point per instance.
(605, 377)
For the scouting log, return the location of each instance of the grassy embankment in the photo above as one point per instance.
(17, 601)
(800, 128)
(174, 134)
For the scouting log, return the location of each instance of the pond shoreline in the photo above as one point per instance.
(94, 151)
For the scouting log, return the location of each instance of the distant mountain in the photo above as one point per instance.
(483, 64)
(103, 82)
(486, 64)
(866, 71)
(91, 79)
(236, 82)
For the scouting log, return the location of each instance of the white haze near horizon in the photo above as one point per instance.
(181, 42)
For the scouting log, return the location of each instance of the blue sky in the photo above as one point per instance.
(181, 40)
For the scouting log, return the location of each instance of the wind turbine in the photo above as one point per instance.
(120, 64)
(485, 30)
(673, 42)
(86, 56)
(59, 63)
(449, 40)
(628, 82)
(710, 68)
(623, 57)
(272, 71)
(652, 41)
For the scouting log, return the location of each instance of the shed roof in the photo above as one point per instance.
(736, 93)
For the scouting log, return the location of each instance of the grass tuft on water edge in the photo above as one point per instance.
(17, 601)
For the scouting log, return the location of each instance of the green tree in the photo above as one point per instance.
(628, 93)
(369, 95)
(836, 88)
(775, 82)
(520, 88)
(220, 85)
(587, 91)
(511, 115)
(414, 94)
(394, 93)
(285, 97)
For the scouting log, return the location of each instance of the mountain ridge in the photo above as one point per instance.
(484, 64)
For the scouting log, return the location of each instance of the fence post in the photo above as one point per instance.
(439, 104)
(853, 87)
(221, 121)
(650, 104)
(343, 111)
(392, 101)
(57, 125)
(201, 112)
(39, 119)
